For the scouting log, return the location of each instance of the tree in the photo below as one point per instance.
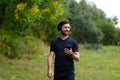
(115, 20)
(117, 36)
(35, 18)
(83, 22)
(108, 29)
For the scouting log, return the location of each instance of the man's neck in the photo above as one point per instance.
(63, 37)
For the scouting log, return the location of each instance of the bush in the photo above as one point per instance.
(3, 48)
(21, 46)
(92, 46)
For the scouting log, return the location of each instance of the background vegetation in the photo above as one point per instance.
(23, 23)
(27, 27)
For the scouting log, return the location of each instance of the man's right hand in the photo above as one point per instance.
(50, 73)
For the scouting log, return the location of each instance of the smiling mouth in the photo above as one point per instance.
(66, 32)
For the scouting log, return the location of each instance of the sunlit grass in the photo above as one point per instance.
(102, 64)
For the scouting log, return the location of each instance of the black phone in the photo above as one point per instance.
(68, 47)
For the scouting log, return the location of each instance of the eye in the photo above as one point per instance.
(67, 27)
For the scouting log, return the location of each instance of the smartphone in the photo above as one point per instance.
(68, 47)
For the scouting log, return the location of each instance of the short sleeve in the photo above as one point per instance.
(52, 46)
(75, 46)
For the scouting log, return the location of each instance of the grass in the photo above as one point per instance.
(102, 64)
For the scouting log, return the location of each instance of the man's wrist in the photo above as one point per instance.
(71, 55)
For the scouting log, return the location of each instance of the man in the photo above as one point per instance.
(65, 50)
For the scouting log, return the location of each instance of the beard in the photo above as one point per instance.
(64, 33)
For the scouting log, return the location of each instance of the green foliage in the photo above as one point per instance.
(90, 24)
(84, 28)
(22, 18)
(108, 30)
(115, 20)
(92, 46)
(23, 15)
(30, 45)
(28, 21)
(18, 47)
(52, 13)
(117, 36)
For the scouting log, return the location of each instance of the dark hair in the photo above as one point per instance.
(61, 24)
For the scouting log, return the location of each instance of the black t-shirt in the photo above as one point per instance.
(63, 61)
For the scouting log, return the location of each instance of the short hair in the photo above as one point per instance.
(61, 24)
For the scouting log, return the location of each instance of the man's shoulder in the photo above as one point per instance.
(72, 39)
(54, 40)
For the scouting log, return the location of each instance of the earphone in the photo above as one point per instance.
(59, 27)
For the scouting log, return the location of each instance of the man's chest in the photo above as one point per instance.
(61, 45)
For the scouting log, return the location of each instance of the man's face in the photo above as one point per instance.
(65, 29)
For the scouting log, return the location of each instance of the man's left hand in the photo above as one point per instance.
(68, 51)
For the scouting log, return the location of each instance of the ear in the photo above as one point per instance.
(58, 27)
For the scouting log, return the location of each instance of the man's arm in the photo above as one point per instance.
(50, 58)
(75, 56)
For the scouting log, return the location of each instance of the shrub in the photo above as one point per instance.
(21, 46)
(92, 46)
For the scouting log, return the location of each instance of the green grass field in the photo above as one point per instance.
(102, 64)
